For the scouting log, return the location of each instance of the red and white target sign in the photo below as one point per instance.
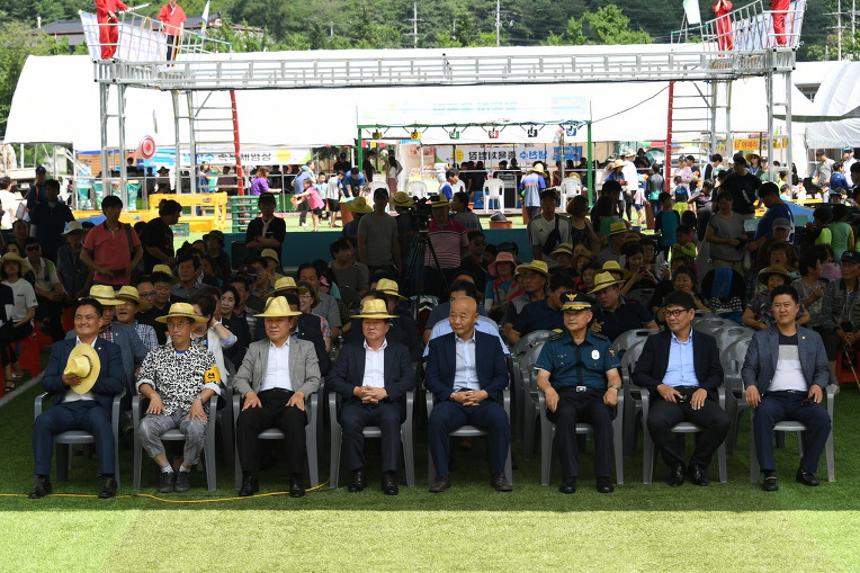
(147, 147)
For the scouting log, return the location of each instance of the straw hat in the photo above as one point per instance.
(15, 257)
(617, 163)
(439, 201)
(358, 205)
(165, 270)
(536, 266)
(582, 251)
(285, 284)
(765, 274)
(72, 227)
(563, 249)
(128, 293)
(617, 227)
(84, 363)
(181, 310)
(613, 266)
(402, 199)
(271, 254)
(573, 301)
(105, 295)
(537, 169)
(278, 307)
(390, 287)
(603, 280)
(374, 309)
(503, 257)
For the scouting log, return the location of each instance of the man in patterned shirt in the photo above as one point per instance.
(126, 313)
(177, 379)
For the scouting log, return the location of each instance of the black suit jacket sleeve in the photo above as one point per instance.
(405, 380)
(433, 375)
(709, 370)
(644, 374)
(338, 379)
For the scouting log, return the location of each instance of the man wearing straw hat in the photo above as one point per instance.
(578, 372)
(178, 379)
(276, 376)
(402, 327)
(126, 313)
(531, 188)
(612, 251)
(615, 315)
(84, 373)
(373, 378)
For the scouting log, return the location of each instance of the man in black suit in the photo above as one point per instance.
(468, 391)
(373, 379)
(83, 388)
(682, 370)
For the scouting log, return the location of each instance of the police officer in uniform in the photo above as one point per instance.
(579, 373)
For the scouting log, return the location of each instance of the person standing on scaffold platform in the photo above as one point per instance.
(172, 18)
(106, 14)
(779, 10)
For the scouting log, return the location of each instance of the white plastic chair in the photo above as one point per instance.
(416, 189)
(494, 190)
(374, 185)
(569, 188)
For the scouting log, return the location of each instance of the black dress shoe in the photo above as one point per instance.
(441, 484)
(389, 484)
(108, 487)
(41, 487)
(250, 486)
(770, 483)
(676, 475)
(697, 474)
(806, 478)
(568, 485)
(357, 483)
(500, 483)
(297, 488)
(183, 482)
(604, 485)
(166, 482)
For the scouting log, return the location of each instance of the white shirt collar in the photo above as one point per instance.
(384, 345)
(276, 347)
(93, 343)
(464, 341)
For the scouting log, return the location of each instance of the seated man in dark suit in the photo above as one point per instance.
(276, 375)
(84, 387)
(578, 372)
(468, 391)
(682, 371)
(785, 374)
(373, 378)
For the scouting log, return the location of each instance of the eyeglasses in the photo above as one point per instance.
(676, 313)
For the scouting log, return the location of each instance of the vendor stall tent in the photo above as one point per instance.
(318, 98)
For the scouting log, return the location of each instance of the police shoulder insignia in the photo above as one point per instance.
(613, 352)
(212, 375)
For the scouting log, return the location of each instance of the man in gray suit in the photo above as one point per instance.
(785, 373)
(276, 375)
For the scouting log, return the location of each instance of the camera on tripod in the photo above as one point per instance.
(422, 211)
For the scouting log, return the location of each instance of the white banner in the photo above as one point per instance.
(691, 9)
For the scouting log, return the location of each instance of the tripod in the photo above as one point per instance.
(413, 274)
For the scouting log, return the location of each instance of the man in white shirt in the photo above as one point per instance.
(789, 386)
(373, 378)
(549, 230)
(276, 376)
(631, 182)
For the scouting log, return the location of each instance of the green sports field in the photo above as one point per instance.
(723, 527)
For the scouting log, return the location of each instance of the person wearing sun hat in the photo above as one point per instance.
(277, 374)
(126, 313)
(449, 239)
(177, 379)
(503, 285)
(618, 232)
(532, 278)
(578, 371)
(403, 329)
(759, 312)
(616, 315)
(84, 373)
(373, 377)
(20, 302)
(543, 314)
(359, 207)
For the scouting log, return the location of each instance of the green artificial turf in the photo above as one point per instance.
(723, 527)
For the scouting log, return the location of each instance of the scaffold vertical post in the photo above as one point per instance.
(789, 159)
(177, 178)
(103, 120)
(237, 146)
(359, 150)
(730, 144)
(123, 173)
(713, 104)
(667, 167)
(192, 144)
(590, 155)
(769, 103)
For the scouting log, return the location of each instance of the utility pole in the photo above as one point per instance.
(331, 29)
(414, 20)
(839, 29)
(853, 23)
(498, 23)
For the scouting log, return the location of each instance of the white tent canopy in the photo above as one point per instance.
(838, 95)
(57, 100)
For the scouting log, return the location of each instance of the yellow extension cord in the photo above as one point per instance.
(314, 489)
